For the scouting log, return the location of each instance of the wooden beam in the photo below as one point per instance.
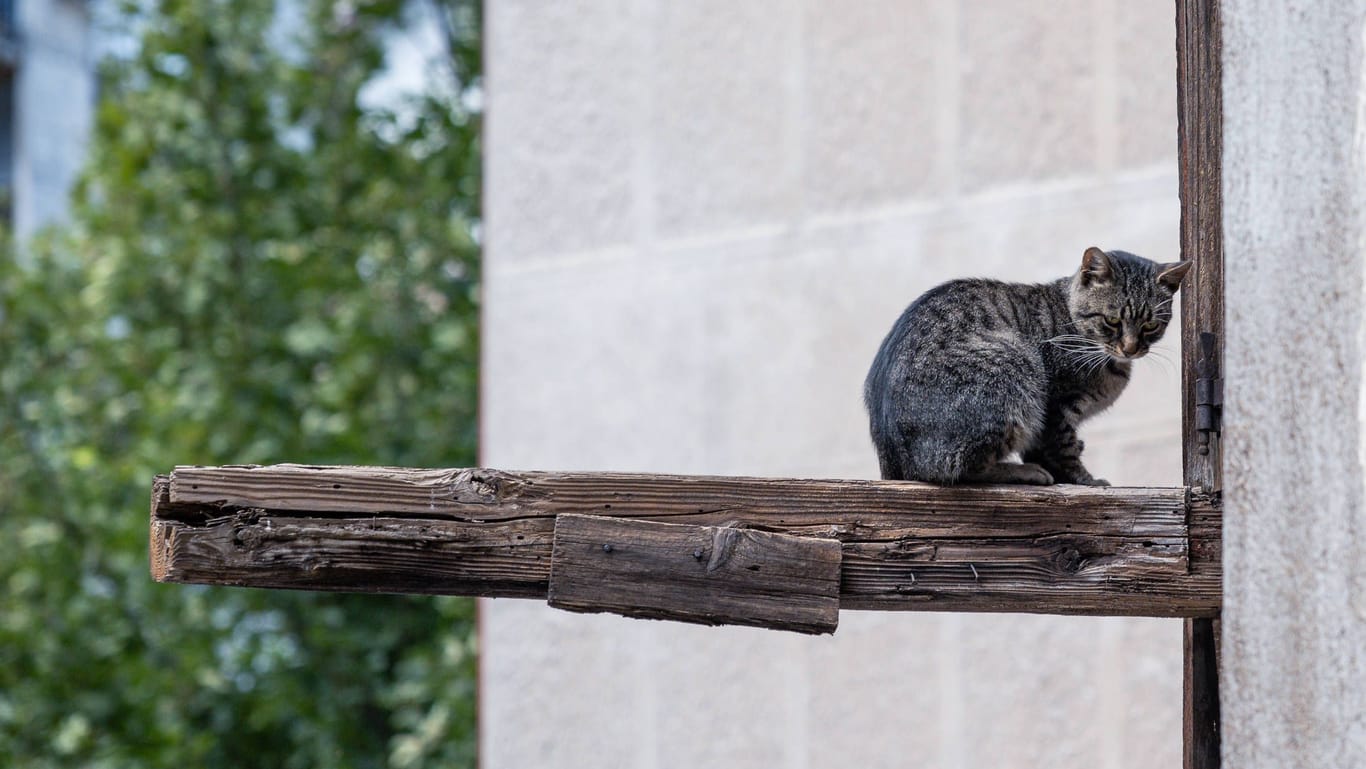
(906, 546)
(1200, 147)
(710, 575)
(1200, 689)
(1199, 89)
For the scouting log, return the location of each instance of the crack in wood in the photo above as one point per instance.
(1067, 550)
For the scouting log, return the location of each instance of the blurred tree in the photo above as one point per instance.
(259, 268)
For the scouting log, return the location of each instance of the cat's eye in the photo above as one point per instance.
(1151, 325)
(1112, 321)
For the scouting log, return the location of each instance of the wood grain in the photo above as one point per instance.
(1201, 694)
(906, 546)
(710, 575)
(1199, 88)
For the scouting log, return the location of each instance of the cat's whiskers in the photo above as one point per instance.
(1163, 357)
(1087, 354)
(1094, 364)
(1073, 343)
(1088, 359)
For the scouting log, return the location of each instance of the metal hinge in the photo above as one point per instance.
(1209, 392)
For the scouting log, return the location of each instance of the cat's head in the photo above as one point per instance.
(1123, 302)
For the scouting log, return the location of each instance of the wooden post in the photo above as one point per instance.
(1200, 145)
(1199, 84)
(1201, 686)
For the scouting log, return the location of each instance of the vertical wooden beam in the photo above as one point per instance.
(1200, 150)
(1199, 84)
(1201, 686)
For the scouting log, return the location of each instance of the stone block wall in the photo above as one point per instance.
(702, 217)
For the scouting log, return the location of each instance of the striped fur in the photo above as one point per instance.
(975, 371)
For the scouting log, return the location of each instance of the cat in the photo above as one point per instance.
(975, 371)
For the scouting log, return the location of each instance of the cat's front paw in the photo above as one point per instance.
(1094, 482)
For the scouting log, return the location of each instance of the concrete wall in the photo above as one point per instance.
(702, 217)
(54, 103)
(1295, 577)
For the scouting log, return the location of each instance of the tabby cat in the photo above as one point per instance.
(975, 371)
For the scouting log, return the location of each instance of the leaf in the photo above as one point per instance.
(255, 270)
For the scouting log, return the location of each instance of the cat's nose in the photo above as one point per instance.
(1129, 345)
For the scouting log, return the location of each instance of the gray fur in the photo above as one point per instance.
(976, 370)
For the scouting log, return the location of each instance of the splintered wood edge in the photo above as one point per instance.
(158, 546)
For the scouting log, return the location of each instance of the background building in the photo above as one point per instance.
(702, 218)
(47, 102)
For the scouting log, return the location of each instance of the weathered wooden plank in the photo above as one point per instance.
(855, 508)
(1200, 692)
(710, 575)
(1200, 125)
(256, 547)
(1200, 145)
(906, 546)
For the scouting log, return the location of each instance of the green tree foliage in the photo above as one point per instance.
(258, 269)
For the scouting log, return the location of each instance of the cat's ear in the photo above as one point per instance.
(1095, 266)
(1171, 275)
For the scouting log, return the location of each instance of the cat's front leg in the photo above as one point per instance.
(1086, 479)
(1059, 452)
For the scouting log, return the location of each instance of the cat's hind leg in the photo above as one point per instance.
(970, 443)
(983, 402)
(1011, 472)
(1016, 438)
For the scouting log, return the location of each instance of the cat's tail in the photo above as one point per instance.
(886, 438)
(891, 466)
(890, 441)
